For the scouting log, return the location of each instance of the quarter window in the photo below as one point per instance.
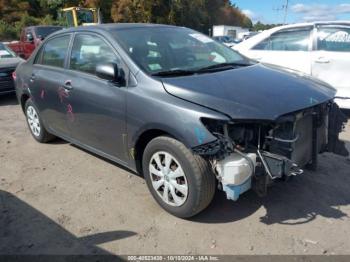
(88, 51)
(55, 51)
(37, 59)
(286, 41)
(333, 39)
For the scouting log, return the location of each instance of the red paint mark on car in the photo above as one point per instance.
(62, 94)
(42, 94)
(70, 113)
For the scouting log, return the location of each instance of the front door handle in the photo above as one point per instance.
(322, 60)
(68, 85)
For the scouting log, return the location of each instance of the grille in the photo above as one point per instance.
(6, 81)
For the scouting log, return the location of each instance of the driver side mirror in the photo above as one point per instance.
(30, 38)
(108, 71)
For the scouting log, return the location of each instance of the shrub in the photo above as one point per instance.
(7, 31)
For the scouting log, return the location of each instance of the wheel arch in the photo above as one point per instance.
(24, 98)
(144, 138)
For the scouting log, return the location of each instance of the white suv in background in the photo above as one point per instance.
(320, 49)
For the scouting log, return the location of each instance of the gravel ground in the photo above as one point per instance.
(58, 199)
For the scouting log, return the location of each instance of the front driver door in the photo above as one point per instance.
(96, 107)
(331, 59)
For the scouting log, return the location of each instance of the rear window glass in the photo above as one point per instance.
(55, 51)
(6, 52)
(334, 39)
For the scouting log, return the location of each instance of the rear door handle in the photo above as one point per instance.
(322, 60)
(32, 78)
(68, 85)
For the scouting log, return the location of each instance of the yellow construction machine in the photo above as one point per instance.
(77, 16)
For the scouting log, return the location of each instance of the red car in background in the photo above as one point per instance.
(31, 37)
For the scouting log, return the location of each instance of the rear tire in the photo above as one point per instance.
(35, 123)
(186, 177)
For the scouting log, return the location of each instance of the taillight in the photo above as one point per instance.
(14, 75)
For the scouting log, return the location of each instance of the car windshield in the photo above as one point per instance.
(6, 52)
(85, 16)
(43, 32)
(175, 49)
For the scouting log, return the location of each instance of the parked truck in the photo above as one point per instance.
(30, 38)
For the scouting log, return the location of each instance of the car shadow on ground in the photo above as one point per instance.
(297, 201)
(25, 230)
(8, 99)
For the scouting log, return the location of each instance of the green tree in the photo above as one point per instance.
(261, 27)
(197, 14)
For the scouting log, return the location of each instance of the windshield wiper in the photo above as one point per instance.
(222, 66)
(175, 72)
(182, 72)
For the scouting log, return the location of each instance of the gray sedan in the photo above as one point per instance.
(188, 113)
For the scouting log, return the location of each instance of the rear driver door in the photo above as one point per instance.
(331, 59)
(47, 86)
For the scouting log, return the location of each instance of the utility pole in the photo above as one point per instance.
(285, 9)
(285, 12)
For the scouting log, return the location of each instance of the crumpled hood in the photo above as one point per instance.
(254, 92)
(10, 62)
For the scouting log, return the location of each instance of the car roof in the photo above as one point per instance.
(311, 24)
(114, 26)
(110, 27)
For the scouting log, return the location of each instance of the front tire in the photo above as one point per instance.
(35, 123)
(181, 182)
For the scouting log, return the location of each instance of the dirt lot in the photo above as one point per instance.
(58, 199)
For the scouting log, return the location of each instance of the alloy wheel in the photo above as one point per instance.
(33, 121)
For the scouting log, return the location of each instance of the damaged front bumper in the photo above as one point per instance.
(253, 154)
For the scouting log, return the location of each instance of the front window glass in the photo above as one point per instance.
(296, 40)
(334, 39)
(55, 51)
(160, 49)
(6, 52)
(88, 51)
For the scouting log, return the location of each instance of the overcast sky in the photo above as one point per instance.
(270, 11)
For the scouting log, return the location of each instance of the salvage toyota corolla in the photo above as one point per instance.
(185, 111)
